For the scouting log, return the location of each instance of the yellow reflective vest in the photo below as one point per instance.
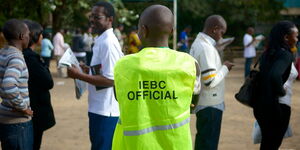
(154, 89)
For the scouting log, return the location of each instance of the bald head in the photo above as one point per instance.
(215, 26)
(156, 21)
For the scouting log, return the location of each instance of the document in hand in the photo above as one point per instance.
(69, 59)
(258, 39)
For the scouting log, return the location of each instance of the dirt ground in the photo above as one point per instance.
(71, 129)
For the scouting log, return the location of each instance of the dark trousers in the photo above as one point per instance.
(101, 131)
(273, 124)
(208, 128)
(38, 134)
(89, 56)
(248, 66)
(16, 136)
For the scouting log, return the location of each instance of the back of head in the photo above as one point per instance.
(109, 9)
(157, 20)
(35, 31)
(46, 35)
(277, 35)
(13, 28)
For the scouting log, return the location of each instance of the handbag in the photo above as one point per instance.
(246, 92)
(256, 133)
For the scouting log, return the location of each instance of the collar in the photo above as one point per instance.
(207, 38)
(105, 33)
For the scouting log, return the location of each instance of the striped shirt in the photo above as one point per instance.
(13, 85)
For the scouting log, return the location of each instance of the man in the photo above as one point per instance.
(78, 46)
(249, 49)
(184, 39)
(88, 40)
(16, 130)
(59, 49)
(154, 89)
(103, 107)
(211, 100)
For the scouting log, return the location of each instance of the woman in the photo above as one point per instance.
(275, 66)
(39, 83)
(46, 49)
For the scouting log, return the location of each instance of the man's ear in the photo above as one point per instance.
(111, 19)
(286, 39)
(21, 36)
(145, 31)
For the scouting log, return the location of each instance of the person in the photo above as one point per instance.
(78, 46)
(46, 49)
(88, 40)
(184, 39)
(133, 41)
(155, 101)
(59, 49)
(211, 99)
(15, 114)
(39, 83)
(249, 49)
(103, 107)
(275, 67)
(118, 33)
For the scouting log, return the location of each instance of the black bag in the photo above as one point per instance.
(247, 91)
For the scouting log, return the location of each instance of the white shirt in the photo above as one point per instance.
(106, 52)
(288, 87)
(212, 71)
(249, 51)
(59, 44)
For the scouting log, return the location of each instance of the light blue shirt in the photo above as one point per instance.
(47, 47)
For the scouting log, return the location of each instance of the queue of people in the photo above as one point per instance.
(146, 97)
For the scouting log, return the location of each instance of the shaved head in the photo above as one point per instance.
(214, 20)
(156, 21)
(215, 26)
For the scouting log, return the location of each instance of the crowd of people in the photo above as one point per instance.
(142, 100)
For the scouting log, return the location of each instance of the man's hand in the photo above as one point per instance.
(73, 72)
(27, 112)
(229, 65)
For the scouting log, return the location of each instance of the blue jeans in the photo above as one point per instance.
(16, 136)
(101, 131)
(208, 128)
(248, 66)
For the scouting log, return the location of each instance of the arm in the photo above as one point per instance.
(10, 86)
(97, 80)
(277, 70)
(50, 45)
(247, 41)
(37, 73)
(197, 87)
(107, 61)
(211, 76)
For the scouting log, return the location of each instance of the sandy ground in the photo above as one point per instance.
(71, 129)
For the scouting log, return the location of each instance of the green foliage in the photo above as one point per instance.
(239, 14)
(69, 14)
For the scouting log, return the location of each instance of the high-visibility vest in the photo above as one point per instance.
(154, 89)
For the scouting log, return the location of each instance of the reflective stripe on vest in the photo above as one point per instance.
(155, 128)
